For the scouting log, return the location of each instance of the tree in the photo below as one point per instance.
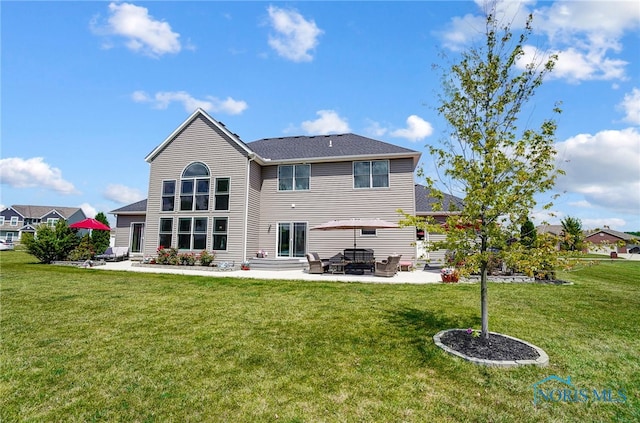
(528, 234)
(51, 243)
(497, 166)
(101, 239)
(572, 235)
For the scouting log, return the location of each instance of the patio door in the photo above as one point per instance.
(137, 236)
(292, 239)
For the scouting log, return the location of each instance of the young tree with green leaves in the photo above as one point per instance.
(100, 239)
(528, 234)
(496, 165)
(572, 235)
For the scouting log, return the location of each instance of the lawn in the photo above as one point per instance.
(91, 345)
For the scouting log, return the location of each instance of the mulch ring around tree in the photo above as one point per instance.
(498, 350)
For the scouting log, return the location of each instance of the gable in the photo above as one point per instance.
(53, 214)
(9, 212)
(201, 116)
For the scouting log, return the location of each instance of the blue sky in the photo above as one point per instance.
(90, 88)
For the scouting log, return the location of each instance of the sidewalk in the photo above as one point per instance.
(415, 277)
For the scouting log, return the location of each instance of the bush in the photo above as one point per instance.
(167, 256)
(84, 251)
(51, 243)
(206, 258)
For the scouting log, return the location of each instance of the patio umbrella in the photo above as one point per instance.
(355, 224)
(90, 223)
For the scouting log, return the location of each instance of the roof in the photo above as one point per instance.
(551, 229)
(425, 201)
(30, 212)
(617, 234)
(337, 147)
(134, 208)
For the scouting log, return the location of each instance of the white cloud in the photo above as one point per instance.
(329, 122)
(33, 173)
(162, 100)
(374, 129)
(294, 35)
(88, 209)
(603, 168)
(417, 129)
(583, 34)
(122, 194)
(143, 33)
(631, 107)
(614, 223)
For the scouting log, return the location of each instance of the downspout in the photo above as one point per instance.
(251, 157)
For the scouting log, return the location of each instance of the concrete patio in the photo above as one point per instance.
(414, 277)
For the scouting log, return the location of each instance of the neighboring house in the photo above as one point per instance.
(424, 207)
(607, 240)
(208, 190)
(556, 230)
(18, 219)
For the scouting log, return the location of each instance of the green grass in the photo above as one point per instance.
(90, 345)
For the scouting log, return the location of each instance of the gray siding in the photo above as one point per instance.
(200, 141)
(123, 228)
(331, 196)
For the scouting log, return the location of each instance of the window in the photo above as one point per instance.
(192, 233)
(51, 221)
(166, 228)
(294, 177)
(220, 233)
(368, 232)
(222, 194)
(1, 220)
(374, 174)
(14, 221)
(194, 188)
(168, 195)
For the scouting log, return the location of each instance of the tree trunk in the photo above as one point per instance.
(484, 303)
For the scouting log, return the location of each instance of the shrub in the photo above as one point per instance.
(51, 243)
(206, 258)
(84, 251)
(167, 256)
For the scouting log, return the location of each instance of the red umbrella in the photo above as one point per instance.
(90, 223)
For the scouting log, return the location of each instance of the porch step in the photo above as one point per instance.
(278, 264)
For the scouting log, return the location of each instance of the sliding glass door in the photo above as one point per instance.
(292, 239)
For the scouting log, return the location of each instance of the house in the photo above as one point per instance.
(607, 240)
(424, 207)
(209, 190)
(18, 219)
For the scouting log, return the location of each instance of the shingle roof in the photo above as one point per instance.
(617, 234)
(30, 212)
(425, 202)
(137, 207)
(325, 146)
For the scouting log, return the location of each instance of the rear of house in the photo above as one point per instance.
(208, 190)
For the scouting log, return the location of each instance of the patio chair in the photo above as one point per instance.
(388, 267)
(316, 264)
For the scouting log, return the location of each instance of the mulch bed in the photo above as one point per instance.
(497, 347)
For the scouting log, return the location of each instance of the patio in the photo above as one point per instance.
(415, 277)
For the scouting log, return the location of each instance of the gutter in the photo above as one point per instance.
(251, 157)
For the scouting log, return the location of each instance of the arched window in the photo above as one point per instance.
(194, 188)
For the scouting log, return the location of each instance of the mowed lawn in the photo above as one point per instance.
(91, 345)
